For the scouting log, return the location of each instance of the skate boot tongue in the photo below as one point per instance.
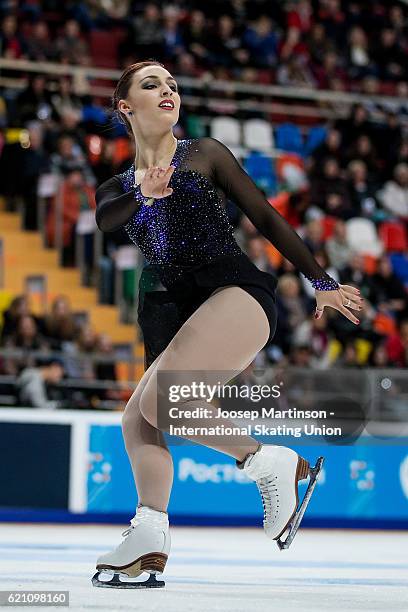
(147, 515)
(260, 463)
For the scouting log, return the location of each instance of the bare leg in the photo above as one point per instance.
(151, 461)
(224, 334)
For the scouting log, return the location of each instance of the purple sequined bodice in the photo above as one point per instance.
(190, 228)
(187, 228)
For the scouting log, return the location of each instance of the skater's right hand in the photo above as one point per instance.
(155, 182)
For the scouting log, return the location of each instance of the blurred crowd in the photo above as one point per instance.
(359, 169)
(358, 45)
(69, 349)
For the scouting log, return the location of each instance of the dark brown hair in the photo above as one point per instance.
(123, 86)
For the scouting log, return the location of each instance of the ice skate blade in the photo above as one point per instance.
(116, 583)
(294, 525)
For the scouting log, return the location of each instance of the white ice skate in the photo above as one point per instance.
(145, 549)
(276, 471)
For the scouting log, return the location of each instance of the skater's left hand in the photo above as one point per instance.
(342, 299)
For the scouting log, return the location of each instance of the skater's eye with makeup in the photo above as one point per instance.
(173, 87)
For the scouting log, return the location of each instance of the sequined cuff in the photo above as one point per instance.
(324, 283)
(141, 198)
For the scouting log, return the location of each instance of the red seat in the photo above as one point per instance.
(393, 235)
(104, 47)
(328, 224)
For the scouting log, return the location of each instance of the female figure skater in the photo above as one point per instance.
(217, 313)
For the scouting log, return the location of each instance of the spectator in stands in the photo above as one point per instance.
(224, 42)
(358, 53)
(292, 310)
(295, 73)
(27, 337)
(77, 196)
(34, 162)
(318, 44)
(19, 307)
(330, 192)
(186, 66)
(173, 37)
(300, 16)
(329, 71)
(59, 324)
(32, 385)
(301, 356)
(71, 47)
(69, 156)
(397, 345)
(363, 150)
(40, 47)
(115, 10)
(245, 231)
(348, 358)
(293, 45)
(33, 102)
(332, 17)
(78, 360)
(106, 370)
(195, 37)
(394, 195)
(337, 246)
(357, 124)
(12, 44)
(146, 38)
(362, 190)
(331, 147)
(389, 294)
(261, 41)
(104, 167)
(390, 57)
(255, 249)
(314, 333)
(355, 273)
(65, 100)
(313, 235)
(378, 357)
(403, 152)
(388, 139)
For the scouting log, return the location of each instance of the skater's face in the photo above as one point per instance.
(150, 86)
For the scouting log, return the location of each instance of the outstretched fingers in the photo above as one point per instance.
(348, 314)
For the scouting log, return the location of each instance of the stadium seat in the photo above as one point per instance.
(258, 135)
(104, 47)
(289, 138)
(393, 235)
(362, 237)
(315, 137)
(261, 170)
(195, 126)
(400, 266)
(227, 130)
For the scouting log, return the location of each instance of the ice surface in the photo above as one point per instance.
(217, 569)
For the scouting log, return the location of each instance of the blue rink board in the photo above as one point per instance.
(359, 482)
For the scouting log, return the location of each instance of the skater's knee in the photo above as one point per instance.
(148, 405)
(131, 420)
(127, 422)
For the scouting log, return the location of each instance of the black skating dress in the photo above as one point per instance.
(188, 241)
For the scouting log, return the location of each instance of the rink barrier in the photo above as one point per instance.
(74, 468)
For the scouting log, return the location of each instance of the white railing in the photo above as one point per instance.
(208, 88)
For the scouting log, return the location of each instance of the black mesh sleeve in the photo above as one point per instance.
(240, 188)
(114, 208)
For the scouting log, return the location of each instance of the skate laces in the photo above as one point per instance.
(144, 514)
(268, 488)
